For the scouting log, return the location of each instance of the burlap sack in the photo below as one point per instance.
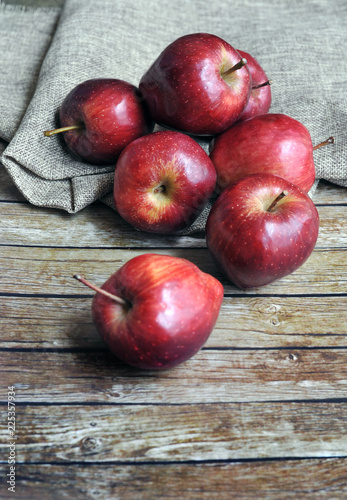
(46, 52)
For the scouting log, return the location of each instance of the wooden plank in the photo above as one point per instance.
(244, 322)
(50, 270)
(332, 227)
(142, 433)
(309, 479)
(99, 226)
(281, 322)
(96, 226)
(329, 194)
(210, 376)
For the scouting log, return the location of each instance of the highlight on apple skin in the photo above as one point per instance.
(163, 311)
(199, 84)
(162, 182)
(269, 143)
(260, 229)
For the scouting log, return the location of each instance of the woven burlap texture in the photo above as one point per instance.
(46, 52)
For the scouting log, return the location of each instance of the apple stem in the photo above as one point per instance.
(269, 82)
(331, 140)
(276, 200)
(237, 66)
(49, 133)
(159, 189)
(101, 290)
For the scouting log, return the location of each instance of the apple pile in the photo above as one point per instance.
(156, 311)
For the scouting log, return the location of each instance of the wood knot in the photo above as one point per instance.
(88, 444)
(273, 308)
(292, 357)
(275, 321)
(274, 312)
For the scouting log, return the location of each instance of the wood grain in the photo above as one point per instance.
(260, 411)
(212, 375)
(96, 226)
(257, 322)
(49, 271)
(146, 433)
(329, 194)
(274, 480)
(99, 226)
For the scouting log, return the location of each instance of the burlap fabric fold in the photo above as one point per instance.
(46, 52)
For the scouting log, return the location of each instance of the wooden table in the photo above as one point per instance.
(260, 411)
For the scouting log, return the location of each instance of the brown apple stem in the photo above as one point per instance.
(49, 133)
(237, 66)
(276, 200)
(269, 82)
(331, 140)
(101, 290)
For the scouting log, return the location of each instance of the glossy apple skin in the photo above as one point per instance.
(270, 143)
(260, 99)
(169, 160)
(252, 246)
(112, 113)
(184, 88)
(173, 309)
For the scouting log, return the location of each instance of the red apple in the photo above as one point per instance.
(199, 84)
(260, 229)
(270, 143)
(159, 312)
(260, 99)
(100, 117)
(162, 182)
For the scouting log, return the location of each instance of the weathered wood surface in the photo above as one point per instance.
(244, 322)
(260, 411)
(98, 226)
(51, 270)
(147, 433)
(211, 376)
(290, 479)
